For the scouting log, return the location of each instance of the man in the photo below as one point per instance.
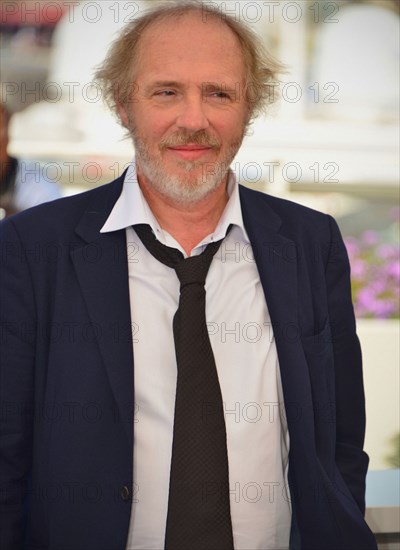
(22, 185)
(97, 374)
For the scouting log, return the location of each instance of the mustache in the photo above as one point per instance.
(201, 137)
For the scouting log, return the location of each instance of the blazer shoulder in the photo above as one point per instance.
(294, 219)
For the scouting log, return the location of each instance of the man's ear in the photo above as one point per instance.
(123, 114)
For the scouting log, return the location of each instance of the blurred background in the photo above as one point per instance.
(331, 143)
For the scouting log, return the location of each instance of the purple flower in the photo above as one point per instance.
(370, 237)
(352, 247)
(393, 270)
(358, 269)
(386, 251)
(375, 272)
(378, 286)
(384, 309)
(367, 298)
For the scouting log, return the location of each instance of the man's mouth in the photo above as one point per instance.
(190, 151)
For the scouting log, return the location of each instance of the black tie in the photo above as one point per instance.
(198, 507)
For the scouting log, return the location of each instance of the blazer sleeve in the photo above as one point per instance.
(351, 461)
(17, 341)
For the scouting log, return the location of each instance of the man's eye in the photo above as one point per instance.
(222, 96)
(165, 93)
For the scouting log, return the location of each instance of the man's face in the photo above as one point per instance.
(187, 115)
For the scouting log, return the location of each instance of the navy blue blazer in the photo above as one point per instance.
(67, 395)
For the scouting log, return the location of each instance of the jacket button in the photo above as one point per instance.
(125, 493)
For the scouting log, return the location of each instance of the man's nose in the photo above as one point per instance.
(192, 115)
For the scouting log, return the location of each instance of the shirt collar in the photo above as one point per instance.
(132, 208)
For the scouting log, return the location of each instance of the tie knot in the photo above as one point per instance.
(194, 270)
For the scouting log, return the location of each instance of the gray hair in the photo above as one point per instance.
(114, 75)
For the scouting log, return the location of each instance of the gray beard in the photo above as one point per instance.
(186, 188)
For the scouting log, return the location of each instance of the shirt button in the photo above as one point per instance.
(125, 493)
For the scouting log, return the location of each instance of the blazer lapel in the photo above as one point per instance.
(102, 271)
(276, 259)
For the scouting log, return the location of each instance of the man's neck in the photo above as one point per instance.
(190, 223)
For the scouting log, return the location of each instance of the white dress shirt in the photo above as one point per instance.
(248, 370)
